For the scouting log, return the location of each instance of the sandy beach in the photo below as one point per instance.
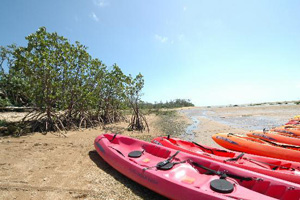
(49, 167)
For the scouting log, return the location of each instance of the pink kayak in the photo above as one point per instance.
(179, 175)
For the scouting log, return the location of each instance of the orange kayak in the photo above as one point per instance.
(275, 137)
(288, 130)
(255, 146)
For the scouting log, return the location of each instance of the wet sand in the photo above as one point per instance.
(235, 120)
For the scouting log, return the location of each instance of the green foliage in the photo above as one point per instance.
(158, 112)
(4, 102)
(65, 85)
(112, 97)
(3, 122)
(11, 83)
(177, 103)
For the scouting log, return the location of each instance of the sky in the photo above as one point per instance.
(212, 52)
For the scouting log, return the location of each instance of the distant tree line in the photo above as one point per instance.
(177, 103)
(66, 86)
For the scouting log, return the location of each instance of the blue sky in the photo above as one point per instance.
(212, 52)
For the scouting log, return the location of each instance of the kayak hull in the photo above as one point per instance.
(185, 180)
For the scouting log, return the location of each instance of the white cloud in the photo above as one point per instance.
(160, 38)
(184, 8)
(100, 3)
(94, 17)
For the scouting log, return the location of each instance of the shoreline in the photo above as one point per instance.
(40, 166)
(238, 119)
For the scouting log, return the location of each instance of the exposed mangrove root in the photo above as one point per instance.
(60, 122)
(138, 121)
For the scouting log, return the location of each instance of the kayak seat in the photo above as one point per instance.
(264, 187)
(128, 142)
(276, 191)
(112, 138)
(157, 151)
(261, 186)
(223, 153)
(146, 160)
(186, 173)
(173, 141)
(274, 165)
(287, 165)
(291, 194)
(247, 184)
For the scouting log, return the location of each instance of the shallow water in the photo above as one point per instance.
(250, 122)
(189, 133)
(246, 122)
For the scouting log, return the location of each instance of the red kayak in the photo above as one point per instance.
(287, 170)
(179, 175)
(293, 122)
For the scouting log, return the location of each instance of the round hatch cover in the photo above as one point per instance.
(135, 154)
(221, 186)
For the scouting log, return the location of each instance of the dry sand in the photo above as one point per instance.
(48, 167)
